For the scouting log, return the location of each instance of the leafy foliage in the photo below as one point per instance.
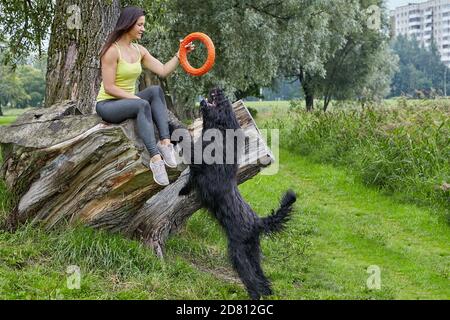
(259, 41)
(421, 72)
(24, 26)
(12, 91)
(22, 86)
(324, 44)
(395, 148)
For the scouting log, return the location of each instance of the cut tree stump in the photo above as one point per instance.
(67, 168)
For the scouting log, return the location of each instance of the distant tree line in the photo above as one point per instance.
(421, 73)
(22, 86)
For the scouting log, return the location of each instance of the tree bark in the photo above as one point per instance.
(307, 90)
(79, 30)
(326, 103)
(69, 168)
(309, 98)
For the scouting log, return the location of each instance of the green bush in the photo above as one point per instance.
(253, 112)
(401, 148)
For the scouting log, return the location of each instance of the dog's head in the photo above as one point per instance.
(215, 102)
(217, 111)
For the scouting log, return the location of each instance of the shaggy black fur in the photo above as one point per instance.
(217, 188)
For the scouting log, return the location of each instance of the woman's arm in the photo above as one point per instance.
(109, 67)
(162, 70)
(155, 66)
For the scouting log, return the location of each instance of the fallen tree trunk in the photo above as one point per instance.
(65, 167)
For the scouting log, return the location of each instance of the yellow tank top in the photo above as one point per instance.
(126, 76)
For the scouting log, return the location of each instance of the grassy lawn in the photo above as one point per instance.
(15, 112)
(267, 105)
(10, 115)
(267, 109)
(340, 228)
(5, 120)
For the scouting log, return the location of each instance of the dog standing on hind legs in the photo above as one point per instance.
(216, 185)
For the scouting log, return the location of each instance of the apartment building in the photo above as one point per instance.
(426, 21)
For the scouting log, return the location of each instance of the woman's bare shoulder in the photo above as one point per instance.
(111, 55)
(143, 50)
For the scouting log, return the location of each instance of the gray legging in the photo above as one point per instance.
(152, 105)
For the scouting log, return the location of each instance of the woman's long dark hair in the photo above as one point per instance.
(127, 20)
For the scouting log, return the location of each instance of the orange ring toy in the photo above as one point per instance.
(211, 54)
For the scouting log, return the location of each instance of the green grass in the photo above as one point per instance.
(15, 112)
(6, 120)
(10, 115)
(340, 228)
(357, 227)
(268, 109)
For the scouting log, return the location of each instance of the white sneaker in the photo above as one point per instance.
(159, 173)
(168, 155)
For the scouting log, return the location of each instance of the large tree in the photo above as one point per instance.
(364, 58)
(313, 39)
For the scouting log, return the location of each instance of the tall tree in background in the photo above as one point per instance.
(12, 92)
(23, 85)
(313, 38)
(352, 49)
(421, 69)
(364, 58)
(376, 84)
(33, 82)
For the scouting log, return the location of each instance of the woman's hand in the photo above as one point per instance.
(190, 47)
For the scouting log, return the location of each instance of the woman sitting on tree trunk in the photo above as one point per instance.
(118, 101)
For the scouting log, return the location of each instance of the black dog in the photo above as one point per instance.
(216, 185)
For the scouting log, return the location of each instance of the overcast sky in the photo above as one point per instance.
(392, 4)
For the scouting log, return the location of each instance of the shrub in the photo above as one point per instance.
(404, 147)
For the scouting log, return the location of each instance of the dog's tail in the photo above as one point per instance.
(276, 221)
